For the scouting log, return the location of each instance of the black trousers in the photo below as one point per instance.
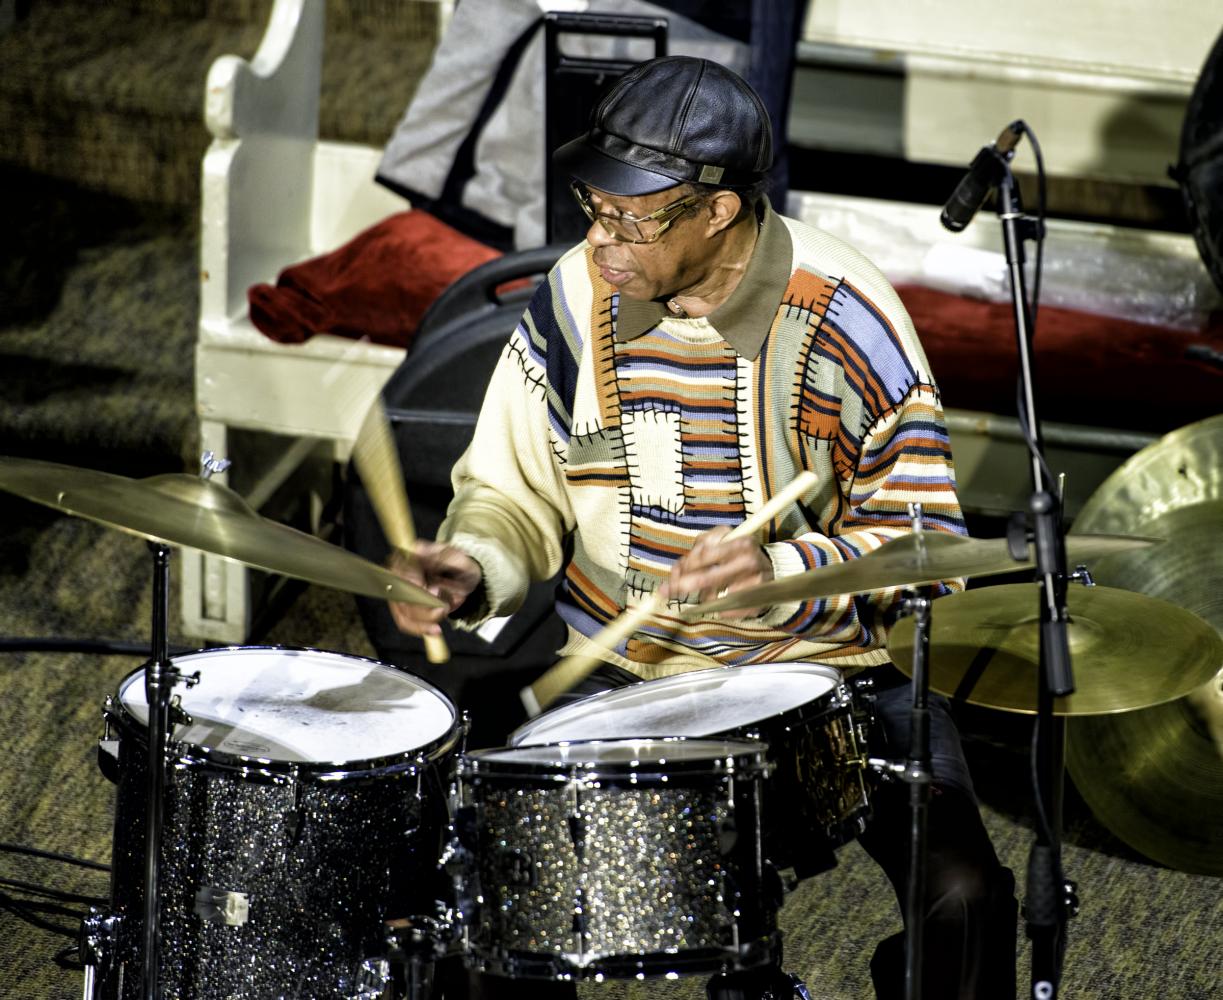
(969, 905)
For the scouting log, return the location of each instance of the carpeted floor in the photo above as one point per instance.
(120, 303)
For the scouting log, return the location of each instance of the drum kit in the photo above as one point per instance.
(311, 824)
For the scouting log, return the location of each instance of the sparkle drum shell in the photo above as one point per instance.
(305, 805)
(814, 723)
(616, 859)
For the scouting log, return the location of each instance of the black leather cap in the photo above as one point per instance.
(668, 121)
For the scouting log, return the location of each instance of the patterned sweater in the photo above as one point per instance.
(614, 434)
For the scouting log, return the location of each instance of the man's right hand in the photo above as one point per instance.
(445, 572)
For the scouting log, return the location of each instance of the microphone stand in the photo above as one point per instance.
(1049, 899)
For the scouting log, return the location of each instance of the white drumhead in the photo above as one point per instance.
(299, 705)
(701, 703)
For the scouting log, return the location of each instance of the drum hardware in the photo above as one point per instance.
(222, 906)
(413, 947)
(159, 680)
(98, 944)
(917, 774)
(1082, 575)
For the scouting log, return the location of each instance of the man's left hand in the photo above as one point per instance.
(715, 567)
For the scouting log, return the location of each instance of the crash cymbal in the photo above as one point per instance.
(180, 509)
(1127, 650)
(1155, 777)
(1182, 468)
(913, 559)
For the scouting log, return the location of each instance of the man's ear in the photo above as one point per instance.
(724, 208)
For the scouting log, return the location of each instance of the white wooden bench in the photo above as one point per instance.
(274, 195)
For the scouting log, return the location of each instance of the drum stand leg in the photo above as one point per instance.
(98, 946)
(413, 953)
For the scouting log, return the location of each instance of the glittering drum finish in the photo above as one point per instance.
(814, 724)
(617, 859)
(278, 871)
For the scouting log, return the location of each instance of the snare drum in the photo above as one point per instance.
(813, 722)
(305, 805)
(616, 859)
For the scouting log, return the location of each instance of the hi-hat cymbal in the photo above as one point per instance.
(180, 509)
(909, 560)
(1127, 650)
(1155, 777)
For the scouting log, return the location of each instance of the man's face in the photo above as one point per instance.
(668, 266)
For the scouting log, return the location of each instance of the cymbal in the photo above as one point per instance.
(1155, 777)
(1182, 468)
(1128, 650)
(913, 559)
(181, 509)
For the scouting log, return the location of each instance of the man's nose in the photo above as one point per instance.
(597, 236)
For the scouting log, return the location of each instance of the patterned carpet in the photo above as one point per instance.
(106, 381)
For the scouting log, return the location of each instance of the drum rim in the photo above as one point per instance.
(620, 967)
(794, 714)
(749, 758)
(197, 755)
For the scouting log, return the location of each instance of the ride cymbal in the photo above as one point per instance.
(910, 560)
(1127, 650)
(180, 509)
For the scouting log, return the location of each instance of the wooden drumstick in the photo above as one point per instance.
(572, 669)
(378, 462)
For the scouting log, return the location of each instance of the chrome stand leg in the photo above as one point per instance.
(98, 946)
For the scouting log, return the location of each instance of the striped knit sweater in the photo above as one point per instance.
(613, 435)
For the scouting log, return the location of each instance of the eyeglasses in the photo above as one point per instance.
(628, 228)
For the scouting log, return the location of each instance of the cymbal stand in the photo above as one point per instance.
(159, 680)
(916, 771)
(1049, 898)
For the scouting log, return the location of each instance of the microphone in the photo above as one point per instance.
(986, 170)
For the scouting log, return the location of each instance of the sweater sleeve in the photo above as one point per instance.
(904, 458)
(510, 512)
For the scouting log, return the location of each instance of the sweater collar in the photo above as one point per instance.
(745, 318)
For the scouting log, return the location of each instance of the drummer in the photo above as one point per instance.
(675, 371)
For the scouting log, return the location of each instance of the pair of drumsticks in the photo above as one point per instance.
(378, 462)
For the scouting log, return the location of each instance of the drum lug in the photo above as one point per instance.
(458, 861)
(179, 715)
(373, 979)
(98, 946)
